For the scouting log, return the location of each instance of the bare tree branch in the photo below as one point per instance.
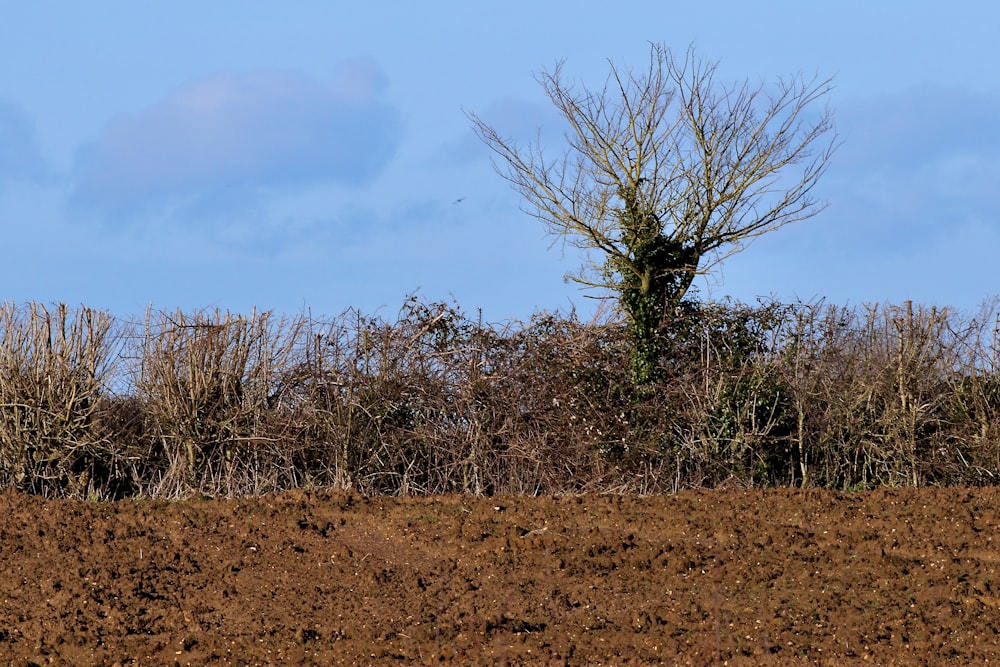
(668, 172)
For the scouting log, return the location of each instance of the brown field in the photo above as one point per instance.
(721, 577)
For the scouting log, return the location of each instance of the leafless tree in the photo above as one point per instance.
(667, 173)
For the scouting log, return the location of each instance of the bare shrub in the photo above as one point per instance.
(54, 369)
(436, 402)
(731, 422)
(373, 400)
(870, 385)
(206, 382)
(968, 448)
(428, 403)
(568, 396)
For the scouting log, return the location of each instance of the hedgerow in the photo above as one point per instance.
(434, 401)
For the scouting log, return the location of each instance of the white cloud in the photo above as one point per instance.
(230, 138)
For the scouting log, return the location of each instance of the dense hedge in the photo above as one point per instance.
(435, 401)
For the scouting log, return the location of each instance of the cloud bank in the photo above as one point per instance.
(517, 120)
(232, 137)
(20, 159)
(914, 208)
(918, 163)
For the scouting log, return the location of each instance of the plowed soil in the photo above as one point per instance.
(725, 577)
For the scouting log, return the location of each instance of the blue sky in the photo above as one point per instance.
(313, 154)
